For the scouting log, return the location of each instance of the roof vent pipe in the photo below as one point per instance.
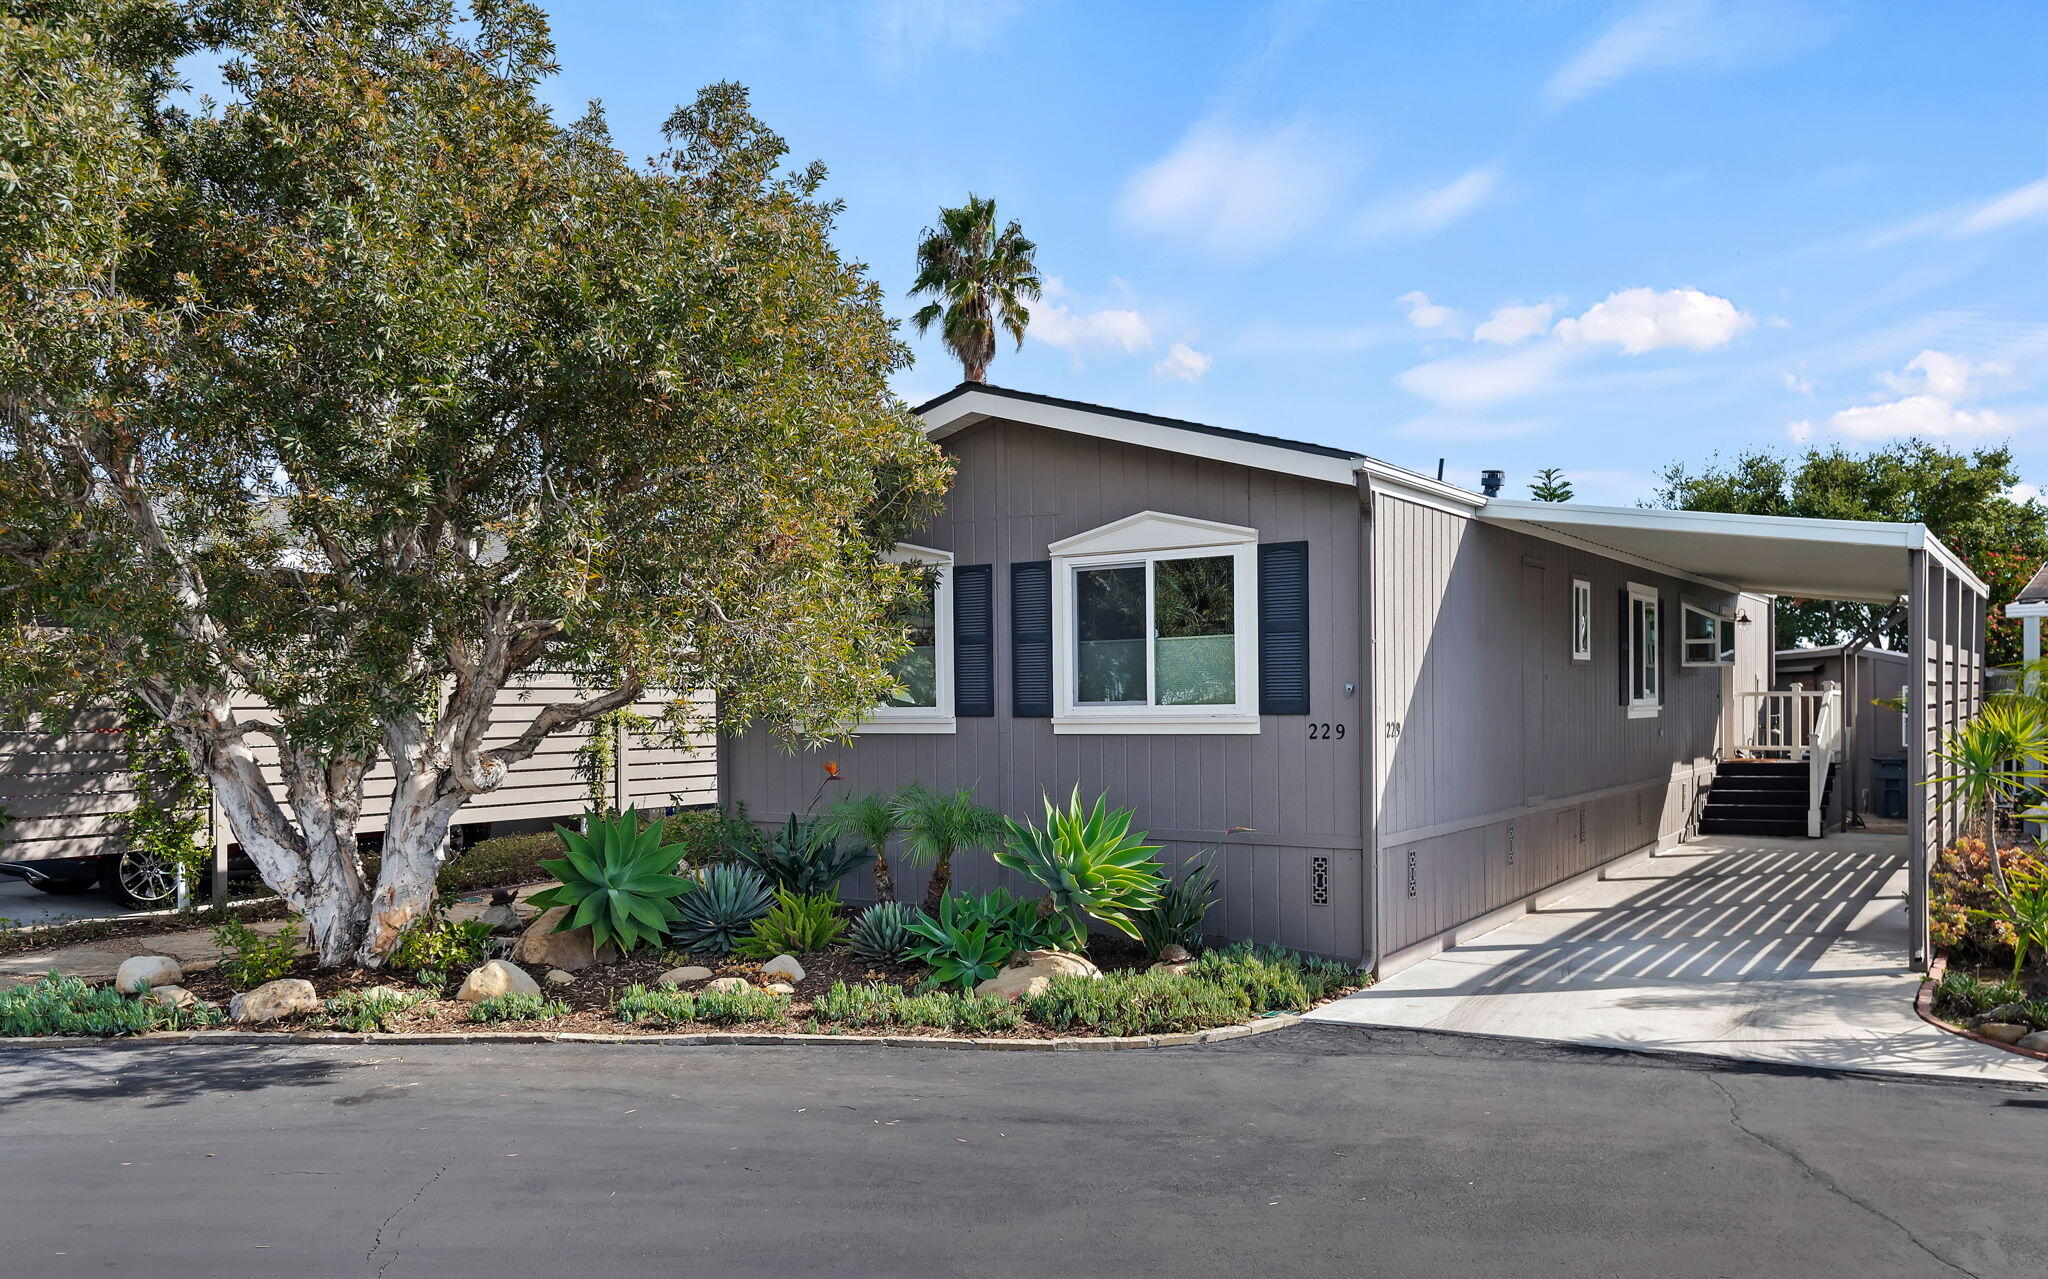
(1490, 482)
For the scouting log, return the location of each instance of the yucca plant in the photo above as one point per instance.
(1995, 756)
(2023, 908)
(794, 925)
(1089, 862)
(881, 933)
(721, 910)
(617, 880)
(804, 857)
(1183, 906)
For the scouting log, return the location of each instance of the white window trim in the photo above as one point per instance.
(1144, 538)
(925, 719)
(1644, 707)
(1721, 624)
(1582, 607)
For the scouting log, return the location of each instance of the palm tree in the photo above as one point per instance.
(979, 279)
(872, 819)
(1992, 757)
(936, 826)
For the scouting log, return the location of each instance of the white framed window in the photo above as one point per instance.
(1645, 651)
(923, 700)
(1155, 627)
(1708, 639)
(1582, 620)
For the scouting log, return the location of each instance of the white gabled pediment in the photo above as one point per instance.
(1153, 531)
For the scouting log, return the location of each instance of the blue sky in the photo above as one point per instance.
(1516, 233)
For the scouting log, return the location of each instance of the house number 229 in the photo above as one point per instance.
(1324, 732)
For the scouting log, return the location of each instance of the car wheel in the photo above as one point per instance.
(147, 881)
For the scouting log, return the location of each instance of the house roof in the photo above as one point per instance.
(2036, 589)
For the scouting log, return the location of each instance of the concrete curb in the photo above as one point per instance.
(1219, 1034)
(1923, 1003)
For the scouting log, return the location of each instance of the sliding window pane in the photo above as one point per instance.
(916, 668)
(1109, 616)
(1195, 617)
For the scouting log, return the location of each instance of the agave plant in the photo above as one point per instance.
(881, 933)
(1183, 905)
(721, 910)
(1089, 863)
(804, 857)
(617, 880)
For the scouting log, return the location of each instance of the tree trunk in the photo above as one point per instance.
(942, 879)
(885, 879)
(415, 844)
(1991, 843)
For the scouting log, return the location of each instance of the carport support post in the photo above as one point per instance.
(217, 832)
(1917, 748)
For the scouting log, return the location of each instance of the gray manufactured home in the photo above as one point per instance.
(1388, 708)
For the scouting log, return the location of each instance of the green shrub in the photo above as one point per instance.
(499, 862)
(516, 1008)
(967, 944)
(363, 1012)
(249, 958)
(668, 1006)
(436, 942)
(795, 926)
(434, 979)
(1088, 862)
(57, 1005)
(708, 836)
(881, 933)
(617, 881)
(1136, 1003)
(884, 1004)
(1183, 906)
(803, 857)
(1271, 978)
(722, 909)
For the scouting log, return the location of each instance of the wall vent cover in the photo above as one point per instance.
(1511, 843)
(1411, 872)
(1319, 880)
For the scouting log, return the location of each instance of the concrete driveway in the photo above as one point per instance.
(1759, 949)
(20, 904)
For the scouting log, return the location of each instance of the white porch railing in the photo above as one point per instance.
(1795, 724)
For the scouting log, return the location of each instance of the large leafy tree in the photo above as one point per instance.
(1960, 496)
(979, 280)
(367, 393)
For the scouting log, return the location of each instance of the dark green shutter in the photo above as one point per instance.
(974, 651)
(1283, 628)
(1031, 639)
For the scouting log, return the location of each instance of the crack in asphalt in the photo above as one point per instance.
(377, 1241)
(1827, 1182)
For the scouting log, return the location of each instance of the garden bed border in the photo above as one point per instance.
(1923, 1003)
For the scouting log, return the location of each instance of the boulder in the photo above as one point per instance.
(677, 976)
(1179, 969)
(557, 977)
(780, 988)
(542, 947)
(172, 996)
(147, 970)
(2005, 1032)
(726, 983)
(783, 968)
(503, 917)
(1175, 954)
(1032, 976)
(489, 980)
(285, 997)
(2038, 1041)
(2004, 1012)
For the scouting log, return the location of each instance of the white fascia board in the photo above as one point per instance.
(1950, 560)
(1620, 556)
(1415, 486)
(2037, 609)
(963, 411)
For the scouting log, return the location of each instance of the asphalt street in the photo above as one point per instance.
(1314, 1151)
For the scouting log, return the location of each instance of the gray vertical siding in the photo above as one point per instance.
(1021, 487)
(1503, 766)
(1876, 731)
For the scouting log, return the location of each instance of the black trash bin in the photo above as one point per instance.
(1888, 780)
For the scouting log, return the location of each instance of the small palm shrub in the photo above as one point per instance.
(1136, 1003)
(885, 1005)
(617, 881)
(516, 1008)
(936, 826)
(795, 926)
(881, 933)
(249, 958)
(721, 910)
(804, 857)
(668, 1006)
(57, 1005)
(1089, 863)
(363, 1013)
(1178, 917)
(871, 820)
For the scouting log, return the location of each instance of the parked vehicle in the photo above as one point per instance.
(144, 881)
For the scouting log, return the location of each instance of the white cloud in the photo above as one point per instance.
(1427, 315)
(1667, 35)
(1426, 212)
(1513, 324)
(2022, 204)
(1797, 383)
(1943, 375)
(1467, 382)
(1801, 431)
(1640, 320)
(1078, 330)
(1183, 363)
(1236, 191)
(1923, 415)
(906, 34)
(2025, 493)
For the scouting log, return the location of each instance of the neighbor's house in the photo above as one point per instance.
(1873, 733)
(1393, 707)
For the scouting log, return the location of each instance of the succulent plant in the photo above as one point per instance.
(804, 857)
(1089, 863)
(617, 881)
(881, 934)
(721, 910)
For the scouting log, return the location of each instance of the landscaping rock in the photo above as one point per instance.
(726, 983)
(783, 968)
(542, 947)
(285, 997)
(147, 970)
(1175, 955)
(503, 917)
(1036, 973)
(780, 988)
(173, 996)
(488, 981)
(2038, 1041)
(2005, 1032)
(2004, 1012)
(677, 976)
(1178, 969)
(557, 977)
